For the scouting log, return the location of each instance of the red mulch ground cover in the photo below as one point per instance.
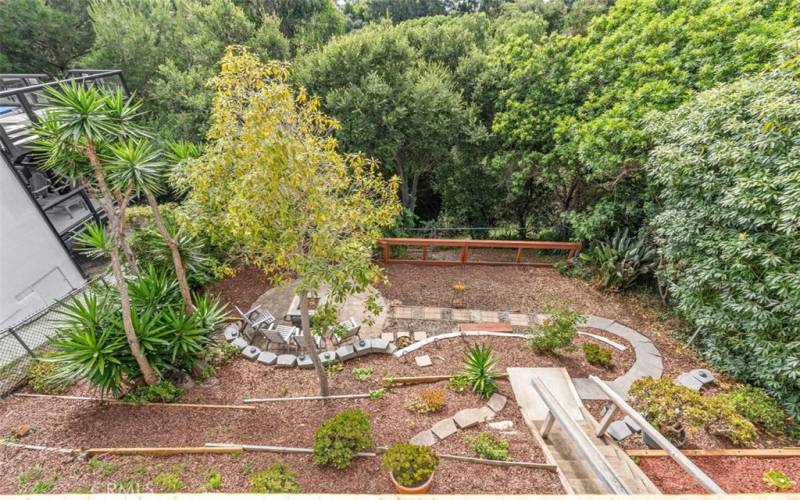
(82, 424)
(242, 289)
(732, 474)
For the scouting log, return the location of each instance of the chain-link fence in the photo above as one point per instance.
(21, 343)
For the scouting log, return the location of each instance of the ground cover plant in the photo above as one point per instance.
(338, 440)
(599, 356)
(487, 446)
(556, 332)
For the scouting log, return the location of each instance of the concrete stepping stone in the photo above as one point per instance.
(388, 336)
(267, 358)
(472, 416)
(501, 425)
(597, 322)
(619, 430)
(423, 361)
(346, 352)
(231, 332)
(418, 336)
(305, 362)
(424, 438)
(704, 376)
(251, 352)
(379, 346)
(497, 402)
(362, 347)
(239, 343)
(600, 338)
(632, 424)
(286, 361)
(444, 428)
(327, 357)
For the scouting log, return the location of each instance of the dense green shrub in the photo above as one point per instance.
(598, 356)
(487, 446)
(43, 378)
(757, 407)
(410, 464)
(617, 264)
(91, 341)
(162, 392)
(727, 165)
(671, 407)
(479, 372)
(557, 331)
(276, 479)
(338, 440)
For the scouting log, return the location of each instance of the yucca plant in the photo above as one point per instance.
(618, 263)
(478, 370)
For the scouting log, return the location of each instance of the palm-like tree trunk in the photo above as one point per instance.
(311, 346)
(177, 260)
(149, 375)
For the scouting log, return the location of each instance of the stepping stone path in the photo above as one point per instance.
(464, 419)
(486, 327)
(695, 379)
(423, 361)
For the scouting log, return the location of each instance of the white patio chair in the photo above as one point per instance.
(256, 318)
(282, 335)
(346, 329)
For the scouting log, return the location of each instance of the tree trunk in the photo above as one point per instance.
(129, 256)
(149, 375)
(177, 261)
(311, 346)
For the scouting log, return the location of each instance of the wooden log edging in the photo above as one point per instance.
(723, 452)
(306, 398)
(127, 403)
(158, 451)
(426, 379)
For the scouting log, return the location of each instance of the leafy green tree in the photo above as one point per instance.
(393, 106)
(728, 166)
(169, 50)
(361, 12)
(43, 36)
(325, 211)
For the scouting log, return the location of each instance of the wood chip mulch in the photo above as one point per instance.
(83, 424)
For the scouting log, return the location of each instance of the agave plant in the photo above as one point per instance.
(478, 370)
(618, 263)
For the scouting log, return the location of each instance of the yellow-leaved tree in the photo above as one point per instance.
(271, 187)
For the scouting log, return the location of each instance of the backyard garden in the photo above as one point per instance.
(618, 310)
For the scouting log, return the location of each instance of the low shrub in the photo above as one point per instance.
(162, 392)
(213, 481)
(168, 482)
(479, 372)
(778, 480)
(671, 407)
(458, 383)
(362, 374)
(338, 440)
(557, 332)
(598, 356)
(427, 401)
(219, 353)
(43, 377)
(410, 464)
(277, 479)
(617, 264)
(377, 394)
(757, 406)
(487, 446)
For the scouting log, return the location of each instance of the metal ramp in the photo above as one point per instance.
(566, 432)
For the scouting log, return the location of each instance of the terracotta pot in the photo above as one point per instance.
(413, 490)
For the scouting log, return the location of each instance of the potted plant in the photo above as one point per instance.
(410, 467)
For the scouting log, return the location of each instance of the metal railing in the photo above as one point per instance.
(588, 450)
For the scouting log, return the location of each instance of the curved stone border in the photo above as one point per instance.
(461, 420)
(232, 334)
(431, 340)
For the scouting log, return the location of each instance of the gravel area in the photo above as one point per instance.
(732, 474)
(74, 424)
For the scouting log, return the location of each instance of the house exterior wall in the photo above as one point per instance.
(35, 269)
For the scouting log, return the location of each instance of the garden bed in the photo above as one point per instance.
(83, 424)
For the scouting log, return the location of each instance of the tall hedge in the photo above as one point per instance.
(728, 165)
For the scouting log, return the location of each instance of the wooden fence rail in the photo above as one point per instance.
(466, 245)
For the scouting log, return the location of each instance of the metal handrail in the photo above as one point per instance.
(40, 86)
(596, 461)
(689, 466)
